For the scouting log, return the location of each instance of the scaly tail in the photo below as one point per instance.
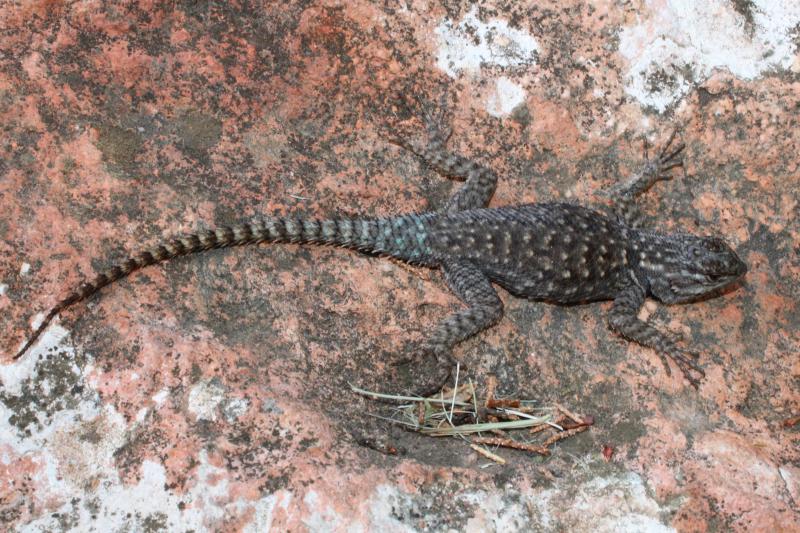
(398, 237)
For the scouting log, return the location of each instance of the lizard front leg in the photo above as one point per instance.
(654, 170)
(624, 321)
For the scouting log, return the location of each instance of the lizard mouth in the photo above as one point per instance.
(712, 286)
(741, 268)
(698, 285)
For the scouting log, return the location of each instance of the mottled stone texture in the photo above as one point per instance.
(211, 393)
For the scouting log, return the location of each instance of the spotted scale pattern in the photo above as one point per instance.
(560, 252)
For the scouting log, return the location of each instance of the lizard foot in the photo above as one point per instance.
(687, 363)
(669, 157)
(438, 133)
(427, 375)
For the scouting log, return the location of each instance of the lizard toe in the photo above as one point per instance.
(424, 372)
(693, 372)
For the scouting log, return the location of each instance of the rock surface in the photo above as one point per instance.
(212, 393)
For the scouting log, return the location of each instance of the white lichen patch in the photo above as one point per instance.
(71, 438)
(318, 516)
(204, 398)
(791, 480)
(15, 373)
(493, 511)
(83, 448)
(234, 408)
(37, 320)
(119, 507)
(73, 447)
(383, 505)
(472, 43)
(77, 481)
(160, 397)
(679, 43)
(506, 96)
(24, 269)
(263, 514)
(617, 503)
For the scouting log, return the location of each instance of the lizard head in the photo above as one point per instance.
(692, 267)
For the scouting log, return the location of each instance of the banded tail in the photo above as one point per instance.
(403, 237)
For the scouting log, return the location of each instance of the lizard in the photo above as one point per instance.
(558, 252)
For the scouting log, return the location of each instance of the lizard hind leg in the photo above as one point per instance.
(484, 310)
(480, 182)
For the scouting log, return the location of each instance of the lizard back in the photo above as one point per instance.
(551, 251)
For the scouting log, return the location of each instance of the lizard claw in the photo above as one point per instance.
(687, 363)
(667, 160)
(434, 124)
(669, 157)
(397, 140)
(438, 135)
(392, 135)
(427, 377)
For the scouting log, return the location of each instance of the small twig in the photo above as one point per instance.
(444, 408)
(491, 385)
(573, 416)
(564, 434)
(510, 443)
(489, 455)
(537, 429)
(394, 420)
(519, 414)
(502, 403)
(494, 420)
(555, 424)
(479, 428)
(587, 421)
(526, 408)
(474, 402)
